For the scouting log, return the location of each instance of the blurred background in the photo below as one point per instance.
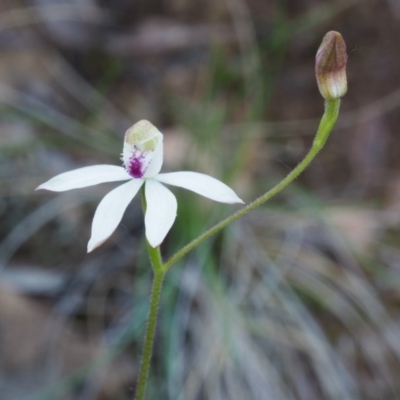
(298, 300)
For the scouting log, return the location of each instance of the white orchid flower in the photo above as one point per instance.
(142, 158)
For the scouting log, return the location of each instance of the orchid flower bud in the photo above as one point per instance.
(330, 66)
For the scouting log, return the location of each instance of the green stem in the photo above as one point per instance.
(150, 332)
(325, 127)
(159, 273)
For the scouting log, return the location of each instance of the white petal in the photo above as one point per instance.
(160, 213)
(157, 159)
(204, 185)
(86, 176)
(110, 211)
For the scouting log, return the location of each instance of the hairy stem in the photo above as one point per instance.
(159, 273)
(150, 332)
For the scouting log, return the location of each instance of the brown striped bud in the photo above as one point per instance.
(330, 66)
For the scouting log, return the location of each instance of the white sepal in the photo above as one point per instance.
(86, 176)
(110, 212)
(160, 213)
(204, 185)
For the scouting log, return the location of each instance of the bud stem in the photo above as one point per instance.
(326, 125)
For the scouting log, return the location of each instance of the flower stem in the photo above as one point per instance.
(325, 127)
(159, 273)
(150, 332)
